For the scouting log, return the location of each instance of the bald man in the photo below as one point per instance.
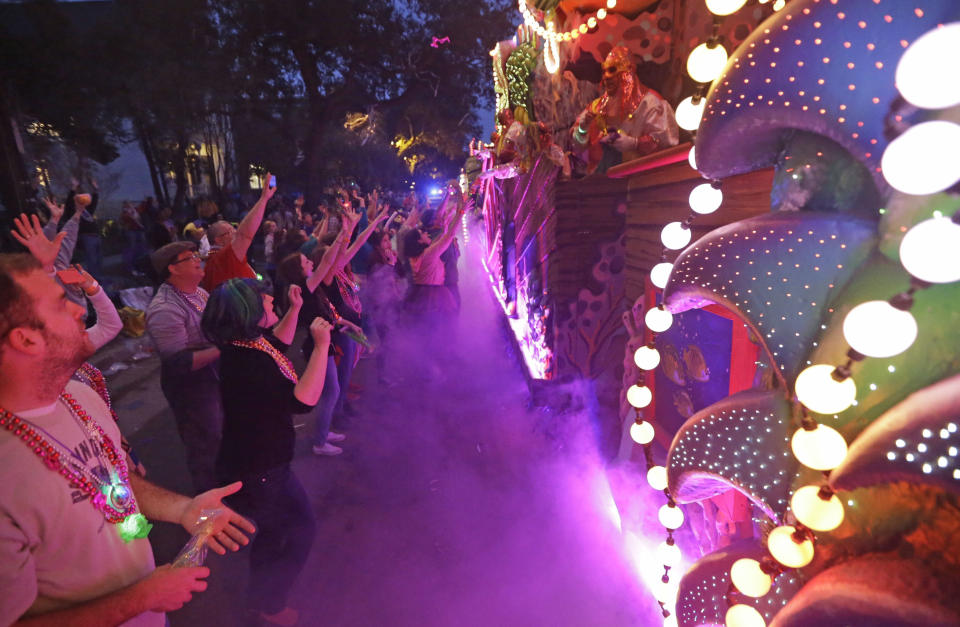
(229, 245)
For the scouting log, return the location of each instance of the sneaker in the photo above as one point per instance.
(333, 436)
(328, 450)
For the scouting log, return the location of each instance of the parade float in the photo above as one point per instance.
(783, 283)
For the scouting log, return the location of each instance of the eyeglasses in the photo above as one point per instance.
(193, 256)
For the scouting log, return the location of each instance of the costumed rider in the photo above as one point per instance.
(628, 121)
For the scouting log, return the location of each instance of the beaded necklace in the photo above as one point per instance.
(115, 499)
(91, 376)
(186, 297)
(348, 291)
(282, 361)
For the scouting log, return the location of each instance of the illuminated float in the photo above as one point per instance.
(790, 305)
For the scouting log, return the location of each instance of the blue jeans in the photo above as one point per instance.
(280, 509)
(345, 367)
(323, 412)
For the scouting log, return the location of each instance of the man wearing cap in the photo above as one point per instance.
(188, 362)
(229, 245)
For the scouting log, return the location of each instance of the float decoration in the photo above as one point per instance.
(737, 443)
(777, 273)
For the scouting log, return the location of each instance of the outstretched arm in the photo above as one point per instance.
(329, 258)
(349, 253)
(287, 327)
(248, 227)
(443, 241)
(28, 232)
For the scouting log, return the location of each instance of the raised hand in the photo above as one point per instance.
(228, 527)
(320, 332)
(88, 284)
(382, 213)
(29, 233)
(56, 211)
(344, 198)
(295, 296)
(350, 217)
(267, 192)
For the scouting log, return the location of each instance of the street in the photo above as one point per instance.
(448, 506)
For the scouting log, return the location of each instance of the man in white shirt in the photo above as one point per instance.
(68, 554)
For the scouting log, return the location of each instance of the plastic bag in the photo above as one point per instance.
(194, 552)
(134, 321)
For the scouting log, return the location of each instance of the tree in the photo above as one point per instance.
(172, 79)
(51, 83)
(354, 58)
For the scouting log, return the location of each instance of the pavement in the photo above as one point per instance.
(452, 505)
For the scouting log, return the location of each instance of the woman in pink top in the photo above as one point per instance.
(429, 300)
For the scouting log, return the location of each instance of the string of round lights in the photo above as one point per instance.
(704, 64)
(550, 34)
(929, 253)
(500, 86)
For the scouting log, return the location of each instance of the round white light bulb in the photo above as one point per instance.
(919, 75)
(930, 251)
(665, 591)
(814, 512)
(705, 64)
(646, 358)
(688, 114)
(749, 579)
(741, 615)
(692, 157)
(821, 449)
(925, 159)
(601, 14)
(668, 554)
(670, 517)
(705, 198)
(660, 274)
(611, 4)
(878, 329)
(639, 396)
(820, 392)
(657, 477)
(641, 432)
(724, 7)
(675, 235)
(788, 552)
(658, 320)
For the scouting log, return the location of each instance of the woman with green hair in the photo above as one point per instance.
(261, 391)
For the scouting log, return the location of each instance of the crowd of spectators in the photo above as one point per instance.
(344, 280)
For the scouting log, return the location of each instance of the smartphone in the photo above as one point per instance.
(273, 181)
(70, 276)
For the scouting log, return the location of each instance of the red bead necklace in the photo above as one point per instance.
(91, 375)
(115, 500)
